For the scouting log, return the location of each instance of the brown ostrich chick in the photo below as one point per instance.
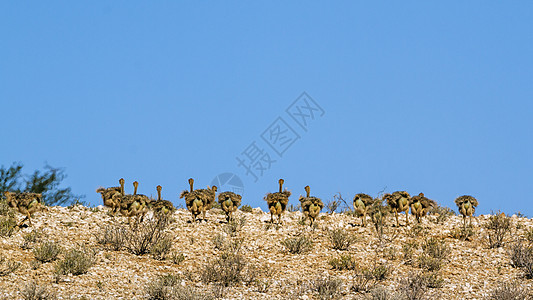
(112, 195)
(24, 203)
(311, 206)
(134, 205)
(420, 205)
(229, 202)
(361, 204)
(162, 206)
(467, 207)
(277, 202)
(200, 200)
(399, 201)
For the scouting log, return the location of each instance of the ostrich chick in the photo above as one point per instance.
(112, 196)
(399, 201)
(420, 206)
(229, 202)
(361, 204)
(467, 207)
(25, 203)
(311, 206)
(277, 202)
(198, 201)
(162, 206)
(134, 205)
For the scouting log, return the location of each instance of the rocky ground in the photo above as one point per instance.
(471, 270)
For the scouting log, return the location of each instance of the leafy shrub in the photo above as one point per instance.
(510, 291)
(161, 248)
(327, 288)
(498, 227)
(463, 233)
(341, 239)
(522, 257)
(433, 280)
(343, 262)
(162, 288)
(141, 236)
(293, 208)
(529, 235)
(76, 262)
(47, 251)
(31, 238)
(408, 250)
(227, 269)
(246, 208)
(380, 271)
(7, 266)
(112, 236)
(442, 213)
(298, 244)
(363, 281)
(7, 225)
(435, 252)
(413, 287)
(32, 291)
(177, 258)
(382, 293)
(234, 226)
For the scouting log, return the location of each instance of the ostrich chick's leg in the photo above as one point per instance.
(396, 215)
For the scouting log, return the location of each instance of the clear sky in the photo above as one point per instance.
(417, 96)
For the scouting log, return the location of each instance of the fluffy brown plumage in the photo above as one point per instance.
(198, 201)
(420, 206)
(311, 206)
(112, 196)
(277, 202)
(134, 205)
(229, 202)
(361, 204)
(398, 202)
(162, 206)
(467, 207)
(25, 203)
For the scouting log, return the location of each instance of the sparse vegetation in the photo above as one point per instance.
(414, 287)
(327, 288)
(227, 269)
(246, 208)
(33, 291)
(77, 261)
(341, 239)
(510, 291)
(299, 244)
(498, 227)
(343, 262)
(234, 226)
(464, 233)
(522, 257)
(7, 266)
(161, 248)
(442, 213)
(47, 251)
(31, 238)
(142, 236)
(435, 251)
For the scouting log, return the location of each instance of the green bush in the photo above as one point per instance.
(47, 251)
(76, 261)
(298, 244)
(341, 239)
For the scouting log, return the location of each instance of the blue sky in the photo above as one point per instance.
(422, 97)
